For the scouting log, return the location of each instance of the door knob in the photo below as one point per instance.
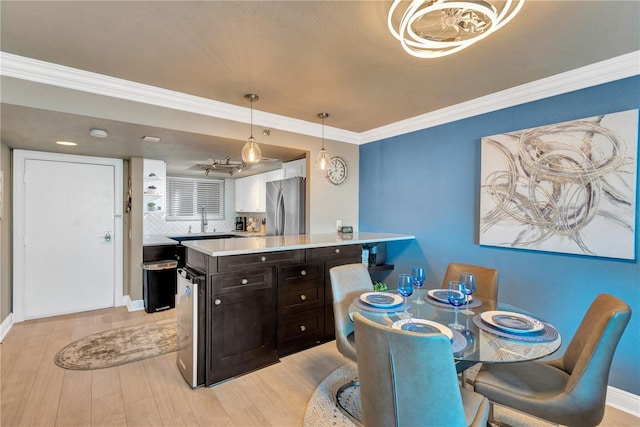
(107, 236)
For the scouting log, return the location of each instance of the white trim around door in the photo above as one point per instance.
(20, 159)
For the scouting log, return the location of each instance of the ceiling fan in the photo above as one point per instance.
(225, 165)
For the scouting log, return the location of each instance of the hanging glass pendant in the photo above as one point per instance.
(251, 152)
(323, 158)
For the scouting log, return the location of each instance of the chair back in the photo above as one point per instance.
(347, 283)
(589, 354)
(406, 379)
(486, 279)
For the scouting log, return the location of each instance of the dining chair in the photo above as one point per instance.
(570, 390)
(486, 279)
(409, 379)
(347, 283)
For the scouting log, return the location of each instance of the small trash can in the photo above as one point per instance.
(159, 285)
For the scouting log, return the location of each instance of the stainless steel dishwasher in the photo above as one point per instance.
(190, 313)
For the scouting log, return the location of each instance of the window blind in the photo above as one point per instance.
(187, 196)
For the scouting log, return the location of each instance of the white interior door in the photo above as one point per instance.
(71, 238)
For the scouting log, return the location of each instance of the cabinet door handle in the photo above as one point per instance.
(303, 328)
(218, 301)
(244, 281)
(303, 297)
(303, 273)
(337, 250)
(263, 258)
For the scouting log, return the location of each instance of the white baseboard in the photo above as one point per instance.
(624, 401)
(134, 305)
(5, 326)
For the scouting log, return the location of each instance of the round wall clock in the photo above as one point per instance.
(337, 171)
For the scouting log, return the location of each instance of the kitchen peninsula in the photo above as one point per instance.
(263, 297)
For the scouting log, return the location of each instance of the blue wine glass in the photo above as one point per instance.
(456, 296)
(469, 282)
(405, 288)
(417, 275)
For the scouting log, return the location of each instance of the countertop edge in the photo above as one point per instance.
(249, 245)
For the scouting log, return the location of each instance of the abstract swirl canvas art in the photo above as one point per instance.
(568, 187)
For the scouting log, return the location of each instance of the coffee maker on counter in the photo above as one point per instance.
(241, 223)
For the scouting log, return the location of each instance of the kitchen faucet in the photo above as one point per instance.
(203, 222)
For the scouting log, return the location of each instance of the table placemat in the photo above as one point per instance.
(475, 302)
(364, 306)
(549, 333)
(458, 342)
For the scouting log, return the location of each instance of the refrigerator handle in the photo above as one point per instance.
(280, 214)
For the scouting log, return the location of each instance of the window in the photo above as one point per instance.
(187, 196)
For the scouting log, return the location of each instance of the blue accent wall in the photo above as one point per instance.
(426, 183)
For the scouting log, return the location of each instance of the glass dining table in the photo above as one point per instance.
(481, 340)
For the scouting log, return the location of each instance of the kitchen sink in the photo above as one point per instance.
(204, 236)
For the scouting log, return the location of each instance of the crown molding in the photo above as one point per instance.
(48, 73)
(58, 75)
(601, 72)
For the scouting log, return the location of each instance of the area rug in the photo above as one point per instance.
(322, 410)
(115, 347)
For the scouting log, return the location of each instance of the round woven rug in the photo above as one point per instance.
(115, 347)
(322, 410)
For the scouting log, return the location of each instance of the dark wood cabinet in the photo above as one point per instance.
(264, 305)
(242, 322)
(240, 315)
(300, 306)
(332, 256)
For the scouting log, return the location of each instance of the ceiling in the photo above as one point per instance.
(300, 57)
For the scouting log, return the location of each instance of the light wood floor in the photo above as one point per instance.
(36, 392)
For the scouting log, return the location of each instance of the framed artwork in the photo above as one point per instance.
(568, 187)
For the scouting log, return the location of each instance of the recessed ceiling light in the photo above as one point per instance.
(98, 133)
(65, 143)
(151, 139)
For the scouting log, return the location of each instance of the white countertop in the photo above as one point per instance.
(248, 245)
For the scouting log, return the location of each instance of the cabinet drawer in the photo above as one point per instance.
(243, 281)
(333, 252)
(235, 262)
(293, 273)
(300, 296)
(300, 330)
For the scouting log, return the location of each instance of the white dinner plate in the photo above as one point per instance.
(381, 299)
(441, 295)
(422, 326)
(515, 323)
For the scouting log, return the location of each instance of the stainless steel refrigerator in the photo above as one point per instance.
(286, 206)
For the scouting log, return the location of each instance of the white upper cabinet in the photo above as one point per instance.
(251, 193)
(248, 194)
(294, 168)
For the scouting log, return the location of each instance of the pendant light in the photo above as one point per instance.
(322, 161)
(251, 152)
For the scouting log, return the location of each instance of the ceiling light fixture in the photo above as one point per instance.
(69, 143)
(251, 152)
(151, 139)
(322, 161)
(98, 133)
(435, 28)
